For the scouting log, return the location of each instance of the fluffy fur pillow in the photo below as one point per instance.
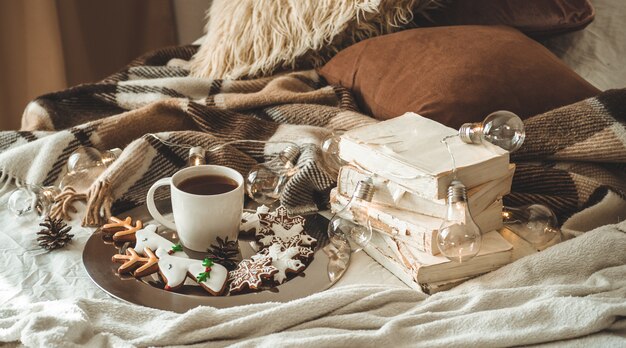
(249, 38)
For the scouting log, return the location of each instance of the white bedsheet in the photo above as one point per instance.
(567, 294)
(31, 274)
(573, 291)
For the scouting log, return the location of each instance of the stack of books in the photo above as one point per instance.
(411, 169)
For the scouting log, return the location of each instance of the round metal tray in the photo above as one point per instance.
(327, 266)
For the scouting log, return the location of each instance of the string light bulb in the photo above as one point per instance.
(330, 152)
(85, 165)
(266, 181)
(352, 224)
(501, 128)
(459, 238)
(196, 157)
(86, 157)
(535, 223)
(32, 201)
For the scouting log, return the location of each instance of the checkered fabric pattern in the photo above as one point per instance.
(572, 156)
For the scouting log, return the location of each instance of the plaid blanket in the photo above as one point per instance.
(573, 156)
(152, 109)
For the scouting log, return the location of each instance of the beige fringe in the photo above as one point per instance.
(5, 181)
(64, 203)
(99, 203)
(250, 38)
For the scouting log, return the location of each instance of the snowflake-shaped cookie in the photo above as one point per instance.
(304, 252)
(283, 260)
(280, 216)
(249, 274)
(280, 224)
(251, 221)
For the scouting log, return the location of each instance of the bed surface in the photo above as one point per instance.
(598, 52)
(561, 301)
(573, 291)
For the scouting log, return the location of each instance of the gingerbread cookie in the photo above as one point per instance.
(148, 238)
(122, 230)
(280, 224)
(175, 270)
(283, 260)
(305, 253)
(251, 221)
(249, 274)
(135, 264)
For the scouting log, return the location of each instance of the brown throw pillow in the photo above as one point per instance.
(533, 17)
(455, 74)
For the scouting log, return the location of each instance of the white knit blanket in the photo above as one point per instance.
(574, 290)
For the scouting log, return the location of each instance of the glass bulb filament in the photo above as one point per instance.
(501, 128)
(535, 223)
(265, 182)
(458, 242)
(459, 238)
(344, 231)
(330, 152)
(32, 200)
(352, 223)
(86, 157)
(85, 165)
(265, 185)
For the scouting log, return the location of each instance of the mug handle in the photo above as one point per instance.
(152, 207)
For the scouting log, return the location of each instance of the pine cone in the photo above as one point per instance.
(55, 234)
(225, 253)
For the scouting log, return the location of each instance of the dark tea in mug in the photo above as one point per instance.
(207, 185)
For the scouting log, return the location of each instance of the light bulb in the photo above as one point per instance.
(502, 128)
(32, 201)
(86, 157)
(266, 181)
(535, 223)
(330, 152)
(459, 237)
(355, 231)
(85, 165)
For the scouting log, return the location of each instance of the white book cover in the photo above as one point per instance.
(418, 230)
(409, 151)
(494, 253)
(383, 254)
(390, 194)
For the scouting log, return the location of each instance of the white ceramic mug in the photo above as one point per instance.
(200, 219)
